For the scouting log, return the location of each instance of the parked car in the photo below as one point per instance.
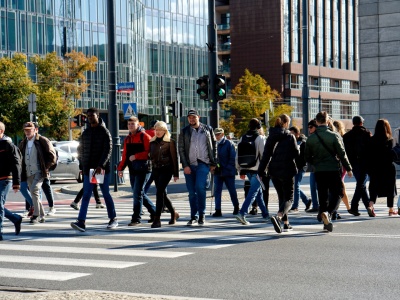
(70, 147)
(67, 167)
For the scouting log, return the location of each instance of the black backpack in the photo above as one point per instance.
(247, 151)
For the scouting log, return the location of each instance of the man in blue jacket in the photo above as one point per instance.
(225, 172)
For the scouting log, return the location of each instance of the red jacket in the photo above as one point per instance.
(139, 138)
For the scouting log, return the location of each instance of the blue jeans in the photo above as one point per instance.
(87, 193)
(27, 195)
(361, 189)
(313, 190)
(196, 183)
(138, 180)
(255, 192)
(230, 185)
(5, 186)
(298, 193)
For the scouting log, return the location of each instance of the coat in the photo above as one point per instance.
(163, 154)
(226, 158)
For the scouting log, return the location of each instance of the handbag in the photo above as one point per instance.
(330, 152)
(396, 152)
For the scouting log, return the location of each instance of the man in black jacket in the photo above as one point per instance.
(355, 143)
(94, 152)
(10, 176)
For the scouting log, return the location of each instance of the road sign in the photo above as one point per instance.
(125, 87)
(130, 109)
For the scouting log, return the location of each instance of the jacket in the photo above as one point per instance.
(95, 148)
(10, 158)
(226, 157)
(184, 144)
(319, 157)
(260, 144)
(137, 144)
(301, 163)
(355, 143)
(46, 155)
(163, 154)
(280, 153)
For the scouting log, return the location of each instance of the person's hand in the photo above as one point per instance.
(212, 169)
(16, 188)
(186, 170)
(99, 170)
(120, 174)
(176, 179)
(243, 177)
(132, 157)
(350, 173)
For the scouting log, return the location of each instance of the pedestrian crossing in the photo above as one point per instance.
(48, 248)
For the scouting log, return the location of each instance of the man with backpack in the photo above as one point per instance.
(250, 149)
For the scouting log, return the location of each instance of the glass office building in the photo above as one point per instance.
(160, 45)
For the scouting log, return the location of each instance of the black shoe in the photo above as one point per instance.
(312, 210)
(135, 223)
(18, 226)
(287, 227)
(353, 212)
(308, 205)
(151, 220)
(79, 225)
(334, 215)
(276, 221)
(253, 211)
(327, 222)
(34, 220)
(217, 213)
(1, 237)
(201, 221)
(236, 210)
(192, 222)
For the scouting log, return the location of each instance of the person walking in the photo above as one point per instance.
(312, 127)
(10, 176)
(38, 156)
(198, 154)
(325, 150)
(396, 140)
(381, 170)
(225, 172)
(75, 204)
(281, 151)
(164, 160)
(135, 156)
(250, 149)
(94, 151)
(356, 142)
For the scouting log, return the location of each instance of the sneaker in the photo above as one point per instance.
(112, 224)
(276, 221)
(74, 205)
(99, 205)
(287, 227)
(202, 220)
(308, 205)
(192, 222)
(34, 220)
(253, 211)
(242, 219)
(294, 210)
(217, 213)
(313, 210)
(51, 211)
(327, 222)
(30, 213)
(353, 212)
(25, 214)
(42, 220)
(18, 226)
(266, 218)
(79, 225)
(135, 223)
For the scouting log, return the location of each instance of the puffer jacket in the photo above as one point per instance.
(280, 153)
(95, 148)
(10, 158)
(226, 157)
(164, 154)
(319, 157)
(47, 156)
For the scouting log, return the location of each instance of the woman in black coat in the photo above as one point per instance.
(381, 170)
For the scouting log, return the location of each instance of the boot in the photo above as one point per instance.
(156, 223)
(174, 217)
(236, 210)
(217, 213)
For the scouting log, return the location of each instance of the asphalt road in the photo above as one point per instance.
(222, 260)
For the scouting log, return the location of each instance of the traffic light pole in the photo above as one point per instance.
(212, 64)
(305, 91)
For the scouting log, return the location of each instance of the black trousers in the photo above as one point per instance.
(162, 177)
(95, 194)
(285, 190)
(330, 190)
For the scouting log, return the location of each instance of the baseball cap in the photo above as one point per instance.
(192, 112)
(29, 125)
(358, 120)
(218, 131)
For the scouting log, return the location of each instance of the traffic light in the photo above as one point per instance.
(220, 87)
(172, 108)
(83, 120)
(203, 89)
(265, 117)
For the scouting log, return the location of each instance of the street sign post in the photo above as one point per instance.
(125, 87)
(130, 109)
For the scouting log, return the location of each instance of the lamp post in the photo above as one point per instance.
(305, 91)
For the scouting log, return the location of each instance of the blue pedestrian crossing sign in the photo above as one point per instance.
(130, 109)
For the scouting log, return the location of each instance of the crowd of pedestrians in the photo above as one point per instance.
(283, 157)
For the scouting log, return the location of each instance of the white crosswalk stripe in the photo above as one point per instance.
(20, 254)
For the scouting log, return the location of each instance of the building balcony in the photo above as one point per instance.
(223, 27)
(224, 70)
(226, 47)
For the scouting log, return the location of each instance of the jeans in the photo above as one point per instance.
(361, 189)
(284, 189)
(313, 190)
(230, 185)
(87, 193)
(27, 195)
(149, 181)
(196, 183)
(255, 192)
(298, 193)
(162, 176)
(5, 186)
(329, 190)
(138, 181)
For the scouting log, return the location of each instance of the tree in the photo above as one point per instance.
(250, 98)
(15, 87)
(59, 82)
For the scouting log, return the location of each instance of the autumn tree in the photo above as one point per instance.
(15, 87)
(59, 82)
(251, 97)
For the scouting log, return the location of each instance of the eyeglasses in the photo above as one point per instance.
(310, 127)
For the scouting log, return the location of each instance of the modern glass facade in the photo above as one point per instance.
(160, 44)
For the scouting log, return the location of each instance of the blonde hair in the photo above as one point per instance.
(282, 120)
(162, 125)
(339, 127)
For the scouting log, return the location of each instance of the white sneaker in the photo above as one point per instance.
(112, 224)
(52, 211)
(99, 205)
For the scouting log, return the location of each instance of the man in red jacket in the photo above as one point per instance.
(135, 156)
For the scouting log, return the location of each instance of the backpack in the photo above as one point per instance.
(53, 167)
(247, 151)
